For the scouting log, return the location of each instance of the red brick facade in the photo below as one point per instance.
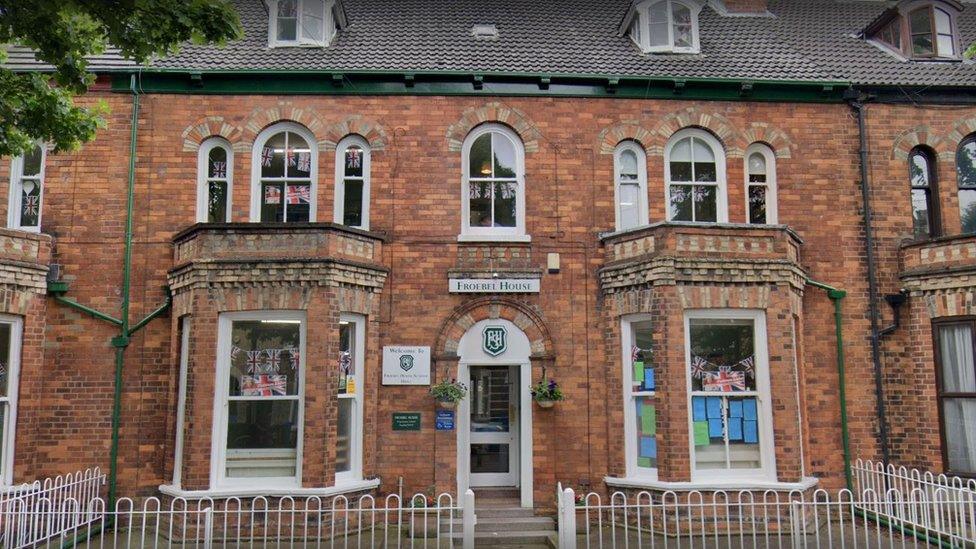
(398, 277)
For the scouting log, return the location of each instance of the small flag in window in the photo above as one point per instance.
(267, 154)
(255, 361)
(298, 194)
(274, 359)
(354, 159)
(31, 205)
(272, 195)
(219, 170)
(725, 381)
(292, 160)
(304, 162)
(295, 357)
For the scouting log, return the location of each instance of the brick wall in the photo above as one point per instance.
(415, 203)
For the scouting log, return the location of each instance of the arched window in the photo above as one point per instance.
(214, 178)
(493, 185)
(921, 172)
(630, 174)
(695, 176)
(666, 26)
(966, 173)
(26, 190)
(761, 185)
(352, 182)
(284, 166)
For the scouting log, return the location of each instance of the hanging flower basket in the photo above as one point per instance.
(546, 393)
(448, 394)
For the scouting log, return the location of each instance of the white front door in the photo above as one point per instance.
(494, 425)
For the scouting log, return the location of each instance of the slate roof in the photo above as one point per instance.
(804, 40)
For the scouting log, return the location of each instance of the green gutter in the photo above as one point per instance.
(57, 289)
(472, 83)
(837, 296)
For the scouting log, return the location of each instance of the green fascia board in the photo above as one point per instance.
(221, 82)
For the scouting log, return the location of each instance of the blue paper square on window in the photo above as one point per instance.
(648, 379)
(750, 431)
(715, 428)
(749, 409)
(648, 447)
(735, 428)
(698, 408)
(735, 408)
(714, 405)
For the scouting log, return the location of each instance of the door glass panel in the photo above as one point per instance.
(490, 400)
(489, 458)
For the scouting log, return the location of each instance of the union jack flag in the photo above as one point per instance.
(219, 169)
(725, 381)
(264, 385)
(304, 162)
(635, 353)
(298, 194)
(32, 204)
(354, 159)
(254, 361)
(234, 351)
(292, 160)
(295, 357)
(699, 367)
(274, 359)
(345, 361)
(747, 364)
(267, 154)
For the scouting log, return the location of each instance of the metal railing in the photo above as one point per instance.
(751, 519)
(27, 514)
(953, 516)
(268, 522)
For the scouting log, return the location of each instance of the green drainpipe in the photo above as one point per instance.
(58, 288)
(837, 296)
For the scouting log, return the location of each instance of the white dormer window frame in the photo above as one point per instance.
(653, 17)
(303, 17)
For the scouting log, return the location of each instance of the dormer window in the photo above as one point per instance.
(918, 29)
(302, 22)
(666, 26)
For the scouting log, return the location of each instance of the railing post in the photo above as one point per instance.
(567, 522)
(207, 528)
(468, 519)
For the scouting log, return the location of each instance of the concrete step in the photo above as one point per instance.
(506, 524)
(509, 539)
(496, 493)
(505, 511)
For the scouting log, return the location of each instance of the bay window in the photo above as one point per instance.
(352, 182)
(921, 170)
(630, 173)
(669, 26)
(259, 405)
(730, 415)
(214, 181)
(493, 205)
(349, 435)
(284, 166)
(301, 22)
(761, 185)
(10, 339)
(695, 177)
(957, 394)
(966, 179)
(640, 407)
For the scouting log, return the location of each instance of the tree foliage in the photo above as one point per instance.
(40, 105)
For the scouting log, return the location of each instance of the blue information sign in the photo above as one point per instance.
(445, 420)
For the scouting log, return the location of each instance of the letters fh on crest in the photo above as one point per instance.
(494, 340)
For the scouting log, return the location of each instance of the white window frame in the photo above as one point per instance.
(772, 211)
(13, 384)
(218, 465)
(629, 401)
(259, 143)
(15, 193)
(642, 215)
(328, 26)
(721, 198)
(340, 178)
(493, 234)
(643, 38)
(355, 472)
(767, 469)
(181, 400)
(203, 177)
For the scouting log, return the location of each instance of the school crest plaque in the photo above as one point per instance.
(495, 340)
(406, 362)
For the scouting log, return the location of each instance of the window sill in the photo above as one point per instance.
(494, 238)
(338, 489)
(731, 484)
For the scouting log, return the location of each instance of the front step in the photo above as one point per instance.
(519, 539)
(505, 524)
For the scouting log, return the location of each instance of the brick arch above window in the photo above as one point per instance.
(261, 117)
(373, 132)
(612, 136)
(775, 138)
(495, 112)
(919, 135)
(210, 126)
(961, 129)
(527, 317)
(695, 117)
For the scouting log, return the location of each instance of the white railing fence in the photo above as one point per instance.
(268, 522)
(955, 516)
(750, 519)
(26, 515)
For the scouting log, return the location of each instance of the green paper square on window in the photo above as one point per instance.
(648, 420)
(701, 433)
(638, 371)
